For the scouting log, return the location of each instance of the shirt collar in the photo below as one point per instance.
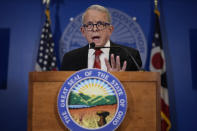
(106, 50)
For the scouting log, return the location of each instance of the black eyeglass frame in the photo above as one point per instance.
(100, 25)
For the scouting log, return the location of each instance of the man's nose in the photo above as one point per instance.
(94, 28)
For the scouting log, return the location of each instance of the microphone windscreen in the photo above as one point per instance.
(92, 45)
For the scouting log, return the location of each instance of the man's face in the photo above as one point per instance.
(99, 37)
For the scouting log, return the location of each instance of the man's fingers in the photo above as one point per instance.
(124, 66)
(112, 61)
(107, 64)
(117, 63)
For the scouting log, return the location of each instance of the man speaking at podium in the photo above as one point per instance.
(100, 52)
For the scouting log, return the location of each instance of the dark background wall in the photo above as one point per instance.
(24, 19)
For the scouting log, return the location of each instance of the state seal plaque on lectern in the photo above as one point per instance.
(92, 99)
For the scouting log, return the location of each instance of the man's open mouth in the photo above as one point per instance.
(95, 38)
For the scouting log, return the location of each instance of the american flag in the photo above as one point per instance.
(46, 58)
(158, 64)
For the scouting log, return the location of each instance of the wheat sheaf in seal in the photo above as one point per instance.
(92, 99)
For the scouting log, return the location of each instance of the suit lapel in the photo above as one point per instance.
(84, 56)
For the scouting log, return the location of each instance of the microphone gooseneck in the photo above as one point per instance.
(133, 59)
(93, 46)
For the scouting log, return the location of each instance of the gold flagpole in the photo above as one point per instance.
(156, 7)
(47, 11)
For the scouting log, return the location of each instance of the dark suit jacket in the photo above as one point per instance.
(78, 59)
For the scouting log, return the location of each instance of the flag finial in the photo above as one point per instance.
(156, 8)
(156, 4)
(47, 2)
(47, 11)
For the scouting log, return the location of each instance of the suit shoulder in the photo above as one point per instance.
(128, 48)
(76, 52)
(75, 59)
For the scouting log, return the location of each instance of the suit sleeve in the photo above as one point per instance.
(65, 63)
(75, 59)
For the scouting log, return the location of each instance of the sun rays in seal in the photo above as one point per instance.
(93, 87)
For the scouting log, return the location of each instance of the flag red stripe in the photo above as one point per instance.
(164, 125)
(165, 108)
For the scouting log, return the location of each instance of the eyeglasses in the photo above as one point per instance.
(99, 25)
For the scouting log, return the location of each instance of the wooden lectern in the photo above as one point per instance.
(143, 95)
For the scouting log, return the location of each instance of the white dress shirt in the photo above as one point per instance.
(104, 54)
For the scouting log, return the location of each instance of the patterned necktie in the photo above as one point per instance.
(97, 62)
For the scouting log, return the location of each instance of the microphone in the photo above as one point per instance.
(92, 46)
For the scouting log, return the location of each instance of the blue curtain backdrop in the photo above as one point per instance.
(193, 52)
(4, 52)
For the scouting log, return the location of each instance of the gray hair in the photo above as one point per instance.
(98, 8)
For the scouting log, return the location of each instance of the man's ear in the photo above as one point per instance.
(111, 28)
(82, 31)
